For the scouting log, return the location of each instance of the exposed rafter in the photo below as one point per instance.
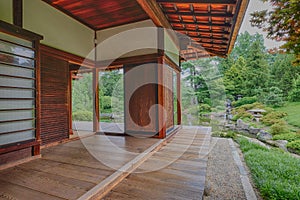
(201, 24)
(229, 15)
(229, 2)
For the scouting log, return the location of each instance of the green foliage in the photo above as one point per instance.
(274, 97)
(242, 115)
(294, 94)
(82, 115)
(279, 128)
(281, 23)
(276, 174)
(204, 108)
(244, 100)
(105, 102)
(295, 146)
(287, 136)
(273, 117)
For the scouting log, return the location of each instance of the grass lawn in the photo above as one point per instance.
(275, 173)
(293, 111)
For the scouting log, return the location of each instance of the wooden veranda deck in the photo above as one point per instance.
(90, 167)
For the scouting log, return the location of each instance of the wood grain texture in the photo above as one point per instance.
(101, 14)
(54, 99)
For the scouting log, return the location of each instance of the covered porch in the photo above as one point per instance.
(89, 168)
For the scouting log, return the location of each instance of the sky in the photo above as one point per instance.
(255, 5)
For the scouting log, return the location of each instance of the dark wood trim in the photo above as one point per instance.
(18, 12)
(19, 109)
(160, 96)
(200, 31)
(38, 97)
(128, 61)
(18, 31)
(18, 131)
(70, 103)
(155, 13)
(18, 145)
(63, 55)
(206, 14)
(226, 2)
(96, 112)
(17, 120)
(171, 63)
(201, 24)
(178, 87)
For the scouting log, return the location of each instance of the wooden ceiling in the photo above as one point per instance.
(101, 14)
(210, 23)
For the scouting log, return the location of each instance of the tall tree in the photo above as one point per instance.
(281, 23)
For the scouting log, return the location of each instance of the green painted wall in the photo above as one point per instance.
(171, 50)
(134, 39)
(59, 30)
(6, 11)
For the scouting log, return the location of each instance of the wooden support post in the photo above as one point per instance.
(38, 116)
(70, 103)
(178, 98)
(160, 99)
(18, 12)
(96, 111)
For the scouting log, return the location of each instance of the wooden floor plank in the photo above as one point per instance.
(14, 192)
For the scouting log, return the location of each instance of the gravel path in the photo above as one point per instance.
(223, 178)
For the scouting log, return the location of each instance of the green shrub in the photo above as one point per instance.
(276, 174)
(279, 128)
(105, 102)
(242, 115)
(287, 136)
(204, 108)
(83, 115)
(245, 100)
(294, 145)
(273, 117)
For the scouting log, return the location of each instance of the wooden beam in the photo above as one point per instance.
(155, 13)
(200, 23)
(226, 2)
(207, 14)
(213, 43)
(160, 100)
(96, 111)
(178, 85)
(63, 55)
(201, 31)
(210, 38)
(18, 12)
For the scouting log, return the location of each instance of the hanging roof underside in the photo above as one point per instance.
(212, 24)
(206, 27)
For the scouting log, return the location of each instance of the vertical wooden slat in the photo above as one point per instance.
(70, 103)
(36, 149)
(160, 93)
(96, 100)
(18, 12)
(178, 76)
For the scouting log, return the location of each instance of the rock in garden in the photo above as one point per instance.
(253, 130)
(264, 136)
(281, 144)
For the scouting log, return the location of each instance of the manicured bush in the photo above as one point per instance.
(287, 136)
(83, 115)
(295, 146)
(242, 115)
(279, 128)
(275, 173)
(273, 117)
(204, 108)
(245, 100)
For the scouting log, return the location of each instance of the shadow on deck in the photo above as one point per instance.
(158, 169)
